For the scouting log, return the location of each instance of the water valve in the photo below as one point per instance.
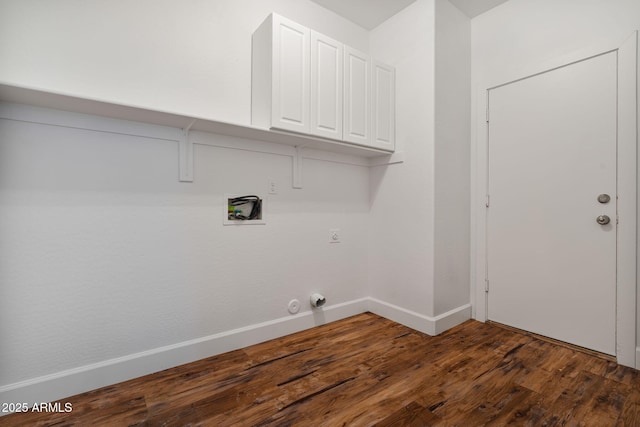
(318, 300)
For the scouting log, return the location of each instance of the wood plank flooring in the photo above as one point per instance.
(370, 371)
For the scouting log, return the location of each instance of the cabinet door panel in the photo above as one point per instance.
(356, 97)
(305, 82)
(383, 105)
(290, 101)
(326, 86)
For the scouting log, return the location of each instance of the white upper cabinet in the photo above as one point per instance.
(280, 75)
(308, 83)
(326, 86)
(357, 105)
(383, 116)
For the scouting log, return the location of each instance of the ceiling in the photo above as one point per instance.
(366, 13)
(371, 13)
(473, 8)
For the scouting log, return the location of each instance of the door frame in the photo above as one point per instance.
(628, 160)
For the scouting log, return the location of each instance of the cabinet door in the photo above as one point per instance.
(326, 86)
(383, 106)
(290, 76)
(356, 97)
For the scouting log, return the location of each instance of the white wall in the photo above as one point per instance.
(107, 262)
(522, 37)
(198, 52)
(104, 254)
(402, 196)
(452, 133)
(420, 209)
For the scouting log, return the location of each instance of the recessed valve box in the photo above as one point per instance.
(243, 209)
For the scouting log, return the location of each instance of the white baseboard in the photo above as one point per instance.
(637, 358)
(452, 318)
(427, 324)
(79, 380)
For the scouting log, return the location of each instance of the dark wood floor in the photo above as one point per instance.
(367, 370)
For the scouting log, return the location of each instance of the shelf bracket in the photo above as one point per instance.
(297, 168)
(186, 155)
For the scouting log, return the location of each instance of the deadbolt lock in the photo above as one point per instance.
(604, 198)
(603, 220)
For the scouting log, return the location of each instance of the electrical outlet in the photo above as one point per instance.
(273, 188)
(334, 235)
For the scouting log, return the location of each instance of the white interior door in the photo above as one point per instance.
(552, 151)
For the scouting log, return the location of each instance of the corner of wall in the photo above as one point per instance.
(426, 324)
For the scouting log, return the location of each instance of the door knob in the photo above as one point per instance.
(603, 219)
(604, 198)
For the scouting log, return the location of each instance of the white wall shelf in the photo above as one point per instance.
(58, 101)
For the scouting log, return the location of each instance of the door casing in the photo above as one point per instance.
(628, 160)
